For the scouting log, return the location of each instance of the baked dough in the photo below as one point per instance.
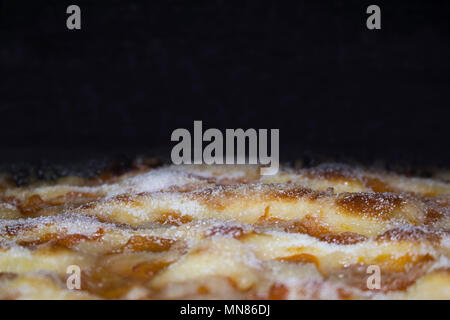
(225, 232)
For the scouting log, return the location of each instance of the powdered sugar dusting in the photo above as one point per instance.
(198, 223)
(66, 223)
(152, 181)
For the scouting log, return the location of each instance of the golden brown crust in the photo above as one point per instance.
(225, 232)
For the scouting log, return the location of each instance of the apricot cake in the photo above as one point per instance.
(226, 232)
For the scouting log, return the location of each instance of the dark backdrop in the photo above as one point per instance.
(140, 69)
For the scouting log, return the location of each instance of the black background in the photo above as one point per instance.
(137, 70)
(279, 309)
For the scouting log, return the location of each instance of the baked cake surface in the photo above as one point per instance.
(225, 232)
